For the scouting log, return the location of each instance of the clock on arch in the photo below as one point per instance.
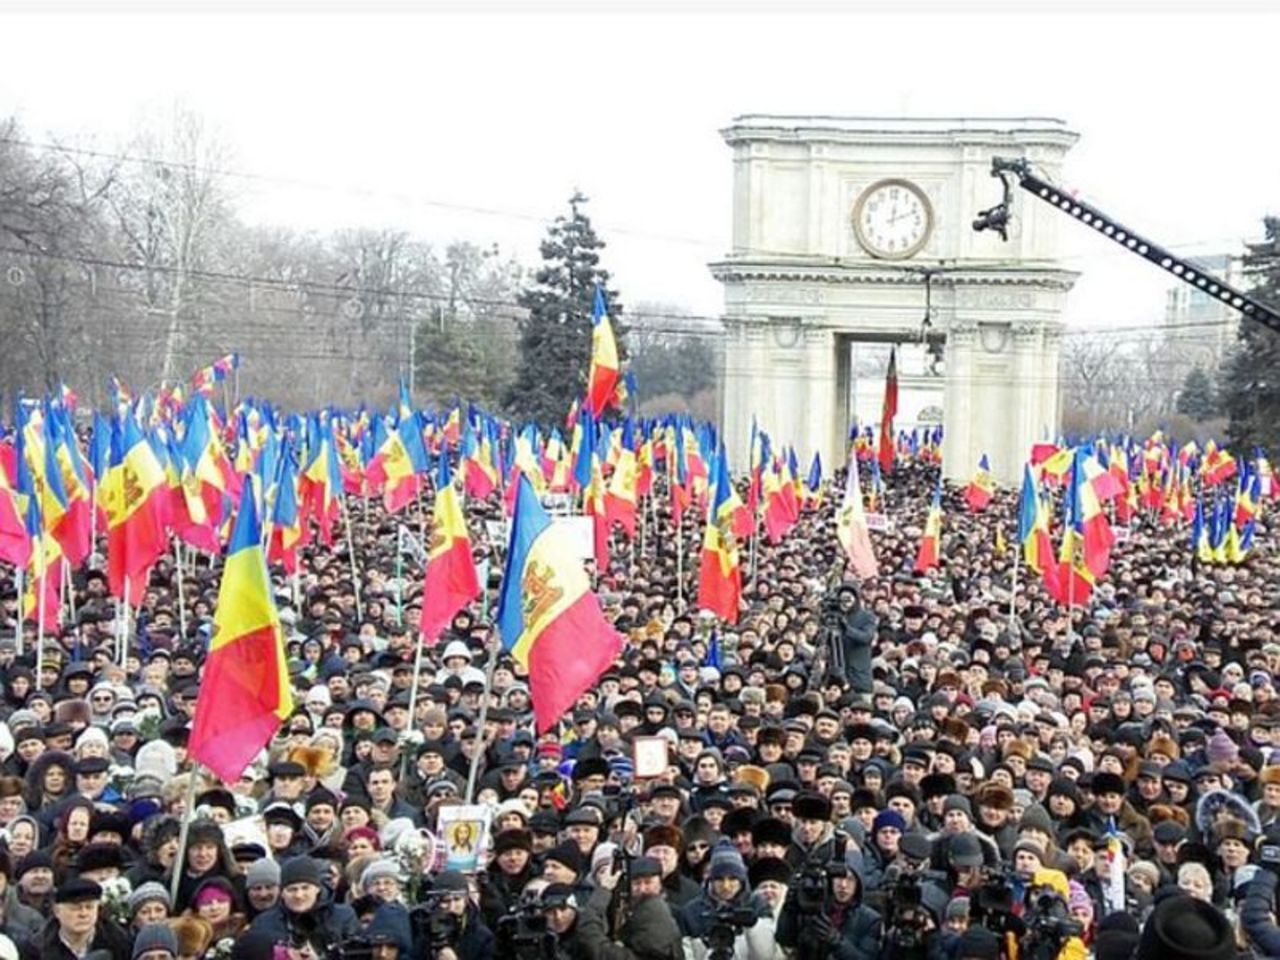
(893, 219)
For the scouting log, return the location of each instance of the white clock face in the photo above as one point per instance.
(893, 219)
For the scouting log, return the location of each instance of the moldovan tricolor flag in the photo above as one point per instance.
(549, 619)
(451, 573)
(133, 494)
(927, 555)
(720, 574)
(603, 378)
(981, 488)
(851, 527)
(244, 689)
(1033, 525)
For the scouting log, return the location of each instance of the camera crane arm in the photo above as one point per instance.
(1011, 170)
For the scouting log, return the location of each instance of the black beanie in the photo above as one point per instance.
(568, 853)
(1183, 928)
(301, 870)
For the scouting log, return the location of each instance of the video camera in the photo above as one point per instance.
(1049, 925)
(522, 933)
(433, 926)
(727, 921)
(907, 919)
(811, 889)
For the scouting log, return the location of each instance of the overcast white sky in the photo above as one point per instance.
(388, 114)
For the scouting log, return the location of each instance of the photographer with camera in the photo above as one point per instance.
(852, 632)
(827, 920)
(468, 937)
(726, 919)
(648, 932)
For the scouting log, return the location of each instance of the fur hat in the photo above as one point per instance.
(664, 836)
(193, 935)
(318, 760)
(1165, 746)
(1018, 748)
(1269, 774)
(1229, 828)
(757, 777)
(995, 795)
(72, 712)
(1160, 812)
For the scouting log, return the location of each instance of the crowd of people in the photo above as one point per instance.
(948, 765)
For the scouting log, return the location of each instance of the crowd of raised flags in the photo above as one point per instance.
(258, 484)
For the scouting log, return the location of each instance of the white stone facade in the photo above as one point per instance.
(800, 281)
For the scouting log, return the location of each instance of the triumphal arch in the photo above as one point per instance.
(848, 230)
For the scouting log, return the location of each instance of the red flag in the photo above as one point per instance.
(888, 412)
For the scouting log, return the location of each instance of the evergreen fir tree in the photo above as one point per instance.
(1250, 386)
(555, 338)
(1197, 398)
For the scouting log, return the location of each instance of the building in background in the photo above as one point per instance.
(1203, 327)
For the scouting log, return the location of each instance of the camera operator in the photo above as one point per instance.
(471, 939)
(649, 932)
(833, 923)
(725, 916)
(560, 906)
(855, 628)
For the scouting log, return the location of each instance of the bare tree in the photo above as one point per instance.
(173, 211)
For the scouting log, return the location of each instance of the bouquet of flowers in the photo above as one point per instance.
(115, 898)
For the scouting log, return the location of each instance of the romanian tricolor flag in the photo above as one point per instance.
(286, 530)
(1248, 498)
(603, 378)
(549, 619)
(244, 687)
(1033, 525)
(479, 476)
(813, 485)
(134, 494)
(202, 380)
(931, 541)
(1217, 465)
(320, 486)
(1087, 477)
(720, 574)
(981, 488)
(451, 581)
(1200, 546)
(1070, 580)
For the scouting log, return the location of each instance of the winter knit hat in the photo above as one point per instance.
(262, 873)
(155, 936)
(1221, 749)
(149, 892)
(1079, 898)
(888, 818)
(726, 862)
